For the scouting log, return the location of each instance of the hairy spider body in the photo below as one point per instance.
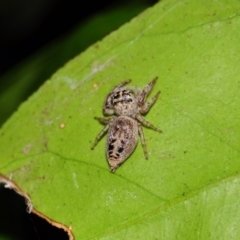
(127, 105)
(121, 140)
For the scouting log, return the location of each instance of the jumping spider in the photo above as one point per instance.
(128, 105)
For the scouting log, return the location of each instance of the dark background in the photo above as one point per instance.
(35, 30)
(27, 25)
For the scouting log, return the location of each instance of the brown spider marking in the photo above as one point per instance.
(128, 105)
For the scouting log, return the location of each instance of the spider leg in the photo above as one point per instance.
(104, 130)
(142, 120)
(122, 84)
(146, 106)
(143, 142)
(144, 93)
(102, 120)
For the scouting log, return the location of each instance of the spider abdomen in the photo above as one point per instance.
(121, 140)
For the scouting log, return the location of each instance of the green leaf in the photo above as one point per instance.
(190, 186)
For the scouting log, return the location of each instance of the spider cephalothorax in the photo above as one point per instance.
(128, 105)
(121, 102)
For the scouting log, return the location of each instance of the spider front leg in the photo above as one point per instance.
(104, 130)
(144, 93)
(122, 84)
(146, 106)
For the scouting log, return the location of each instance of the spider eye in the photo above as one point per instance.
(124, 96)
(116, 95)
(127, 97)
